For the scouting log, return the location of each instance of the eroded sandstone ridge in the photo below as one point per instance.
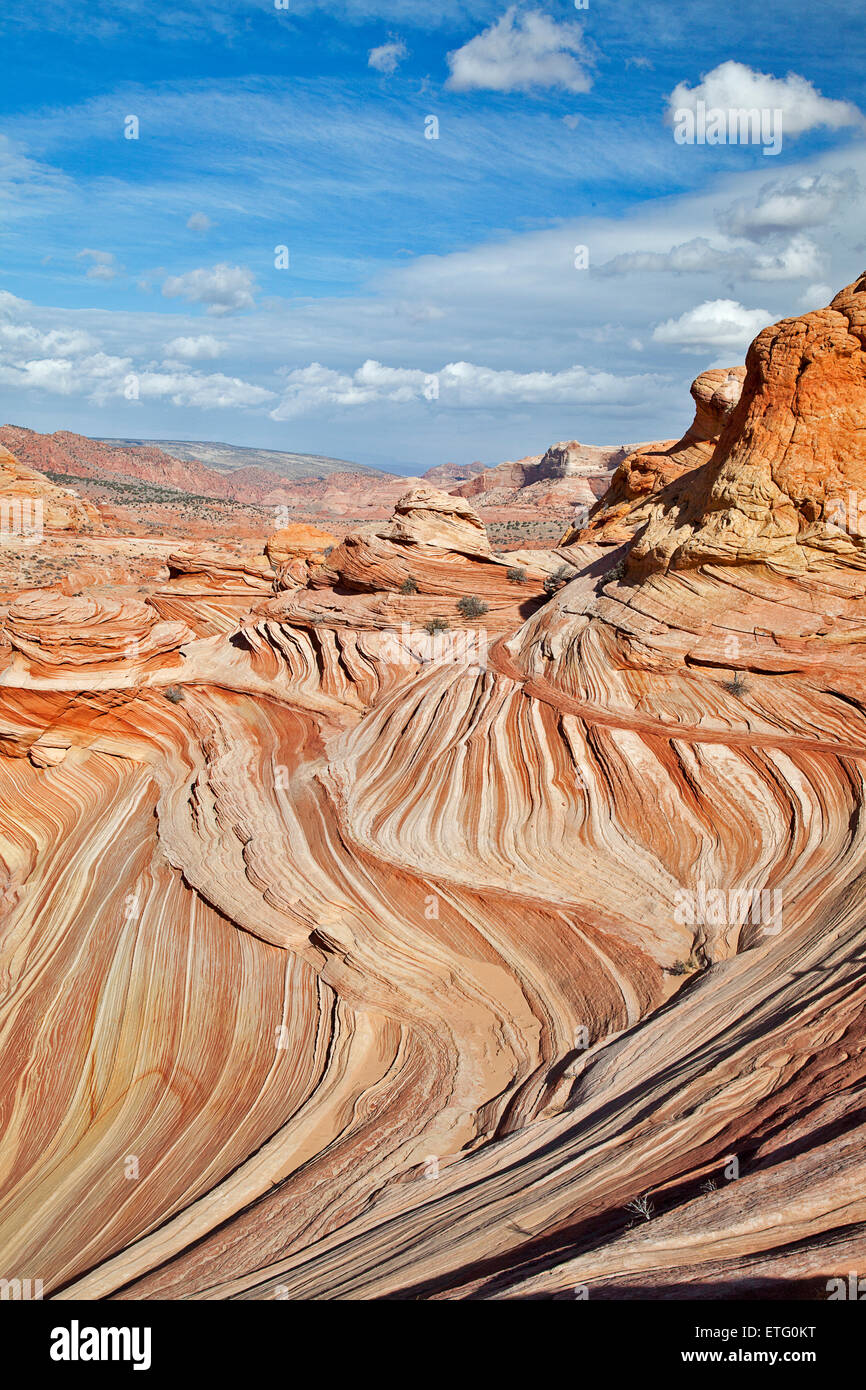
(440, 923)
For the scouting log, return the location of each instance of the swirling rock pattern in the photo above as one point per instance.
(333, 965)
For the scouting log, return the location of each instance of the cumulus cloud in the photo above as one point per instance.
(733, 85)
(96, 375)
(795, 259)
(199, 222)
(101, 377)
(798, 259)
(18, 337)
(388, 56)
(72, 363)
(202, 348)
(721, 323)
(458, 384)
(103, 264)
(224, 288)
(688, 257)
(790, 205)
(204, 391)
(521, 51)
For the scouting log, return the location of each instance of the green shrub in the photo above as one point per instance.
(174, 693)
(516, 575)
(409, 586)
(471, 607)
(436, 625)
(554, 582)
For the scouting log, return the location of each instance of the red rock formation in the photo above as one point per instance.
(447, 475)
(31, 502)
(621, 511)
(423, 968)
(200, 567)
(791, 464)
(295, 551)
(53, 630)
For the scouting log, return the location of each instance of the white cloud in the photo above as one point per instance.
(202, 391)
(458, 384)
(101, 377)
(103, 267)
(722, 323)
(735, 86)
(202, 348)
(800, 258)
(71, 362)
(519, 52)
(795, 259)
(417, 312)
(790, 205)
(224, 288)
(199, 222)
(388, 56)
(699, 254)
(24, 337)
(817, 297)
(97, 376)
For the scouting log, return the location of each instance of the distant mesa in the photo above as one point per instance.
(228, 458)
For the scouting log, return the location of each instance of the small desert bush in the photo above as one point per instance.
(471, 607)
(174, 693)
(685, 967)
(554, 582)
(409, 586)
(436, 625)
(641, 1206)
(516, 575)
(737, 686)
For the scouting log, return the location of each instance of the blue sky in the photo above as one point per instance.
(431, 309)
